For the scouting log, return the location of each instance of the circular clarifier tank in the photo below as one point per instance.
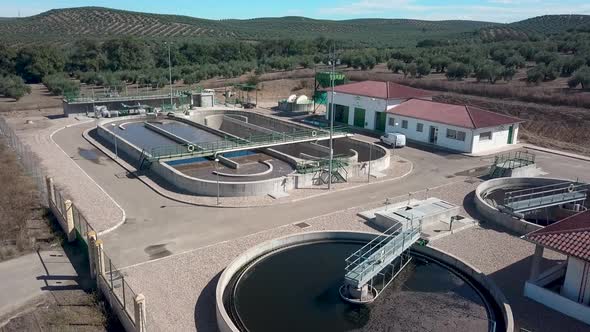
(295, 287)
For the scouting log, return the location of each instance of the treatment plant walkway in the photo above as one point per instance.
(156, 226)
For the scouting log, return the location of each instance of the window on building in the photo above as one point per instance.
(419, 127)
(455, 134)
(405, 124)
(391, 122)
(485, 136)
(461, 136)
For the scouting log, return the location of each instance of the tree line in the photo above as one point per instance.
(121, 61)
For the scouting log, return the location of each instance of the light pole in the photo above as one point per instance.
(333, 60)
(394, 141)
(370, 158)
(170, 71)
(217, 173)
(115, 137)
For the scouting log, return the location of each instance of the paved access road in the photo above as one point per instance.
(26, 277)
(157, 226)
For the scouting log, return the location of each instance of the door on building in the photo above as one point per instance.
(380, 119)
(433, 137)
(341, 114)
(359, 117)
(510, 134)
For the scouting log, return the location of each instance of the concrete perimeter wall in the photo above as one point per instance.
(492, 214)
(225, 323)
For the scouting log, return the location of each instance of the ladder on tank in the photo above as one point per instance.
(144, 161)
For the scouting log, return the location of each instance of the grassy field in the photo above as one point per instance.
(67, 25)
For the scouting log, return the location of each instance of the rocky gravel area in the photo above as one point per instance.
(188, 302)
(97, 206)
(506, 259)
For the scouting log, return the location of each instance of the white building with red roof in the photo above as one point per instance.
(565, 287)
(364, 104)
(455, 127)
(394, 108)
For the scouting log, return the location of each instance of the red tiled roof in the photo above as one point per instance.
(455, 115)
(382, 90)
(570, 236)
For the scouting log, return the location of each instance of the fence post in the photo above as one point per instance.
(99, 258)
(91, 235)
(71, 230)
(139, 306)
(50, 192)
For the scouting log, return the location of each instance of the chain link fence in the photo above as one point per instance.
(112, 276)
(26, 157)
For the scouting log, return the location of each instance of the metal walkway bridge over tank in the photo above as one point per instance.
(367, 262)
(230, 144)
(524, 200)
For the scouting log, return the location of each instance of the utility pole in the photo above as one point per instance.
(170, 71)
(333, 59)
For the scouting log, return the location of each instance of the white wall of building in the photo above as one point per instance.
(576, 286)
(499, 138)
(443, 141)
(370, 105)
(472, 143)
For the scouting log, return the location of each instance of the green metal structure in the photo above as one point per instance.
(324, 80)
(321, 169)
(508, 161)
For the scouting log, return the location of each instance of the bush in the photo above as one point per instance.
(580, 77)
(59, 84)
(458, 71)
(396, 66)
(423, 68)
(536, 74)
(13, 86)
(490, 72)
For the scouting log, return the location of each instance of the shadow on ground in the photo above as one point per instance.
(205, 313)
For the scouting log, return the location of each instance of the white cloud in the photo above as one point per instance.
(491, 10)
(366, 6)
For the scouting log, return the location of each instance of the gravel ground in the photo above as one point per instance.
(188, 302)
(507, 260)
(94, 203)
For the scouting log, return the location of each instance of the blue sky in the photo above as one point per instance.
(483, 10)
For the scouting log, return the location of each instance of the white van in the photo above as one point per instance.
(395, 140)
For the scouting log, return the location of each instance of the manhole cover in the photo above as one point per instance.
(402, 161)
(302, 225)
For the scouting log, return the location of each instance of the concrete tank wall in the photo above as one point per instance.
(492, 214)
(225, 323)
(194, 185)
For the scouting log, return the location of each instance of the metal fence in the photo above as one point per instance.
(26, 157)
(115, 280)
(112, 277)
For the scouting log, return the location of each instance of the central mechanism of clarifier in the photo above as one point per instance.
(382, 259)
